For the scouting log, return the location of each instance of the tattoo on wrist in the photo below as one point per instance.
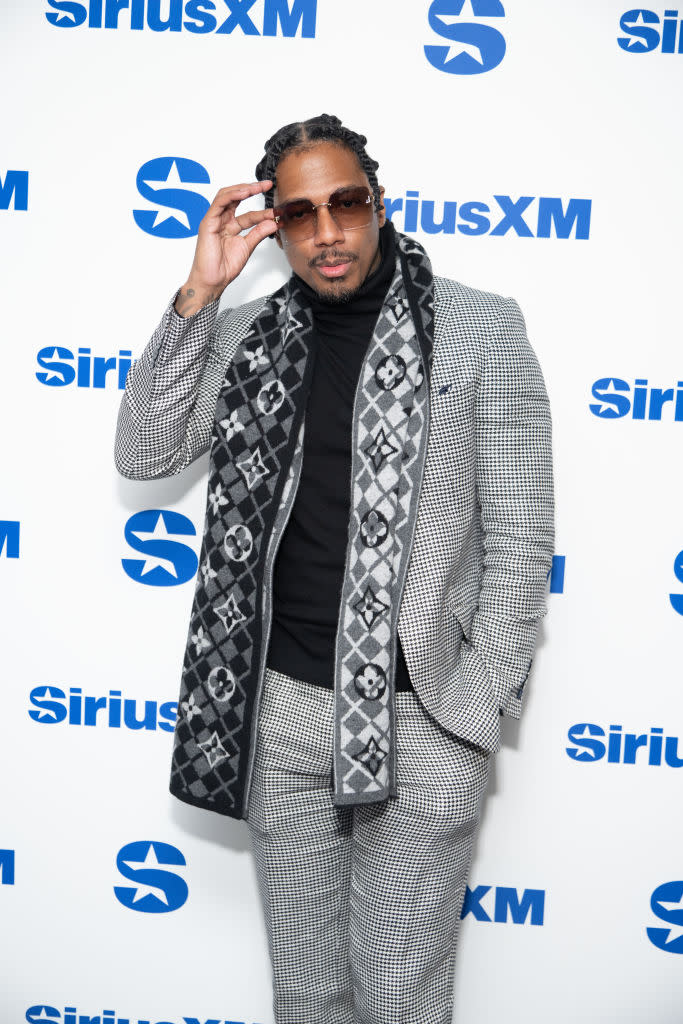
(185, 301)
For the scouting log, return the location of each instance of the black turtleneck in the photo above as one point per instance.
(309, 568)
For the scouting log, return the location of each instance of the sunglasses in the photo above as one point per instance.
(351, 207)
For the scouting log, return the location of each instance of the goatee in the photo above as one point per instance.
(339, 296)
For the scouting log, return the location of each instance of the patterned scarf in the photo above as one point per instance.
(256, 456)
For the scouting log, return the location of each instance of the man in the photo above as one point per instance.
(379, 530)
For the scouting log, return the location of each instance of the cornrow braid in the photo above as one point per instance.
(301, 134)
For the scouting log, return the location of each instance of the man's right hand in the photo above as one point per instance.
(222, 251)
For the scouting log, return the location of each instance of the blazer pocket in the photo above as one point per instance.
(455, 397)
(452, 418)
(463, 617)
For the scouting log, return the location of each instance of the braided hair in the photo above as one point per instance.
(303, 134)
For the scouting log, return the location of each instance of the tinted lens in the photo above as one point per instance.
(351, 207)
(297, 219)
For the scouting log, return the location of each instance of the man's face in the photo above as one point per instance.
(334, 262)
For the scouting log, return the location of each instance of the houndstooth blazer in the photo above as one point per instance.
(483, 543)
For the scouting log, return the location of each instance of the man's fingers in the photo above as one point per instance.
(258, 233)
(253, 217)
(231, 195)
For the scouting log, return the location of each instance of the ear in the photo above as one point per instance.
(277, 238)
(381, 213)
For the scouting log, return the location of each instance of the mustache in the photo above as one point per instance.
(333, 255)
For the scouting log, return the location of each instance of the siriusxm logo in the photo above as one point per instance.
(667, 905)
(677, 599)
(155, 890)
(161, 182)
(7, 867)
(14, 187)
(616, 398)
(591, 743)
(61, 367)
(508, 904)
(277, 17)
(642, 36)
(473, 45)
(167, 562)
(44, 1014)
(556, 574)
(50, 705)
(549, 216)
(9, 538)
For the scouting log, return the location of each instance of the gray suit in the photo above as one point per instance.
(483, 543)
(362, 904)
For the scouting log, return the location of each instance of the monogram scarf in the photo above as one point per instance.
(255, 462)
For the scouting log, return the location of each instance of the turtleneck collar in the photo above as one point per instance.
(371, 294)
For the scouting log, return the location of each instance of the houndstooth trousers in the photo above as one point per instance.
(361, 904)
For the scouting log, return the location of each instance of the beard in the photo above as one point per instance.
(336, 293)
(338, 296)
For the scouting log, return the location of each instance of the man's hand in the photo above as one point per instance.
(222, 251)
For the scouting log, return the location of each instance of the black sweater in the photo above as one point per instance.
(309, 568)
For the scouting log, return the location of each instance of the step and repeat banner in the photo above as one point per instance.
(534, 148)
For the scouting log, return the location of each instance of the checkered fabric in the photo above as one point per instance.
(481, 551)
(361, 904)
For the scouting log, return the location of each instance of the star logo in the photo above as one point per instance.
(636, 43)
(253, 469)
(54, 378)
(159, 533)
(667, 904)
(171, 180)
(369, 607)
(471, 49)
(213, 750)
(676, 930)
(379, 449)
(474, 44)
(141, 890)
(609, 410)
(155, 889)
(43, 714)
(43, 1015)
(175, 189)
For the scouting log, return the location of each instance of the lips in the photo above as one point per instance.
(333, 269)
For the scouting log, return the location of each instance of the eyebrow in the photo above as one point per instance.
(305, 199)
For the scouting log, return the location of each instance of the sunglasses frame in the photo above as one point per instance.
(314, 207)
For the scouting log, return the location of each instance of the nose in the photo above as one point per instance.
(327, 231)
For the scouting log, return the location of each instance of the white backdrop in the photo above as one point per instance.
(590, 845)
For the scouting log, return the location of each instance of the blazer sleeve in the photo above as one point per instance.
(514, 475)
(166, 415)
